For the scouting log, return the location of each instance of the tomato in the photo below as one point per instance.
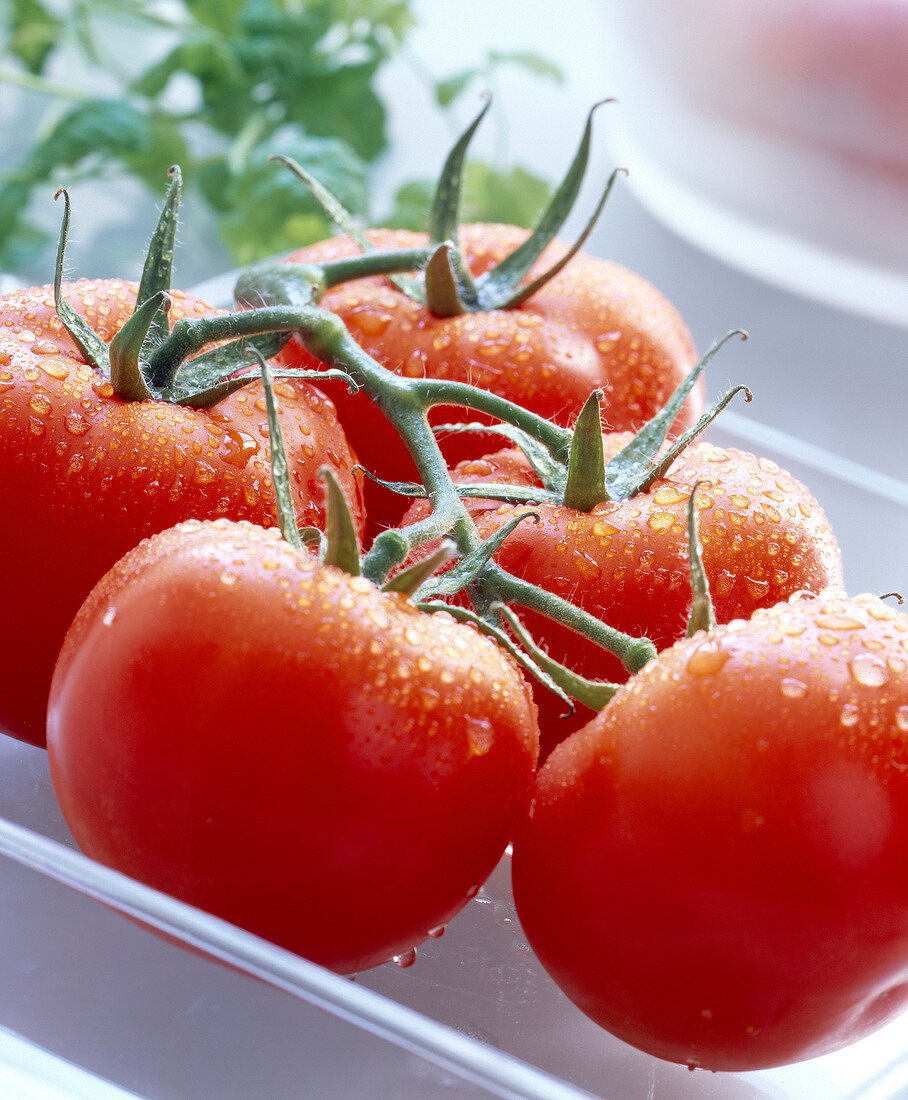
(84, 475)
(714, 869)
(287, 746)
(764, 537)
(594, 325)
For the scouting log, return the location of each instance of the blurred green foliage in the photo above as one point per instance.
(228, 83)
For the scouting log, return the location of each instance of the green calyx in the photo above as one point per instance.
(579, 477)
(146, 360)
(444, 283)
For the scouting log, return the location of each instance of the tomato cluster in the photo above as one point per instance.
(329, 736)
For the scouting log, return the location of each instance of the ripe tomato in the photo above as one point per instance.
(84, 475)
(764, 537)
(714, 868)
(285, 745)
(594, 325)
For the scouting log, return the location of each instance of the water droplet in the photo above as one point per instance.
(203, 473)
(792, 688)
(76, 424)
(839, 621)
(586, 566)
(408, 958)
(437, 932)
(869, 671)
(668, 495)
(45, 347)
(901, 719)
(57, 368)
(661, 521)
(238, 447)
(756, 587)
(706, 661)
(109, 615)
(850, 715)
(229, 579)
(39, 404)
(480, 735)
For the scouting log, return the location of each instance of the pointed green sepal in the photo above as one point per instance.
(630, 469)
(499, 287)
(157, 274)
(84, 337)
(661, 468)
(280, 474)
(527, 290)
(410, 580)
(341, 540)
(509, 494)
(445, 215)
(585, 486)
(702, 613)
(591, 693)
(470, 566)
(125, 350)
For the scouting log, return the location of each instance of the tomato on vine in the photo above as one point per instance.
(97, 449)
(609, 533)
(714, 868)
(519, 314)
(287, 746)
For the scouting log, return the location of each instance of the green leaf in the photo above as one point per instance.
(528, 60)
(34, 33)
(267, 212)
(411, 204)
(512, 196)
(93, 131)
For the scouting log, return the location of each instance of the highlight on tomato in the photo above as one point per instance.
(119, 418)
(713, 869)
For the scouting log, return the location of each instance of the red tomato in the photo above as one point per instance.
(715, 869)
(285, 745)
(84, 475)
(764, 537)
(595, 325)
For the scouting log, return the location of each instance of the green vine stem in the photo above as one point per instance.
(406, 403)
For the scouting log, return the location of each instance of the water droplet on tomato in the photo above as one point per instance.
(109, 615)
(756, 587)
(706, 661)
(203, 473)
(437, 932)
(76, 424)
(850, 715)
(661, 521)
(39, 404)
(869, 671)
(238, 447)
(408, 958)
(480, 735)
(792, 688)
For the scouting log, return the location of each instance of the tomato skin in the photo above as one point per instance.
(714, 868)
(84, 476)
(595, 325)
(286, 746)
(764, 537)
